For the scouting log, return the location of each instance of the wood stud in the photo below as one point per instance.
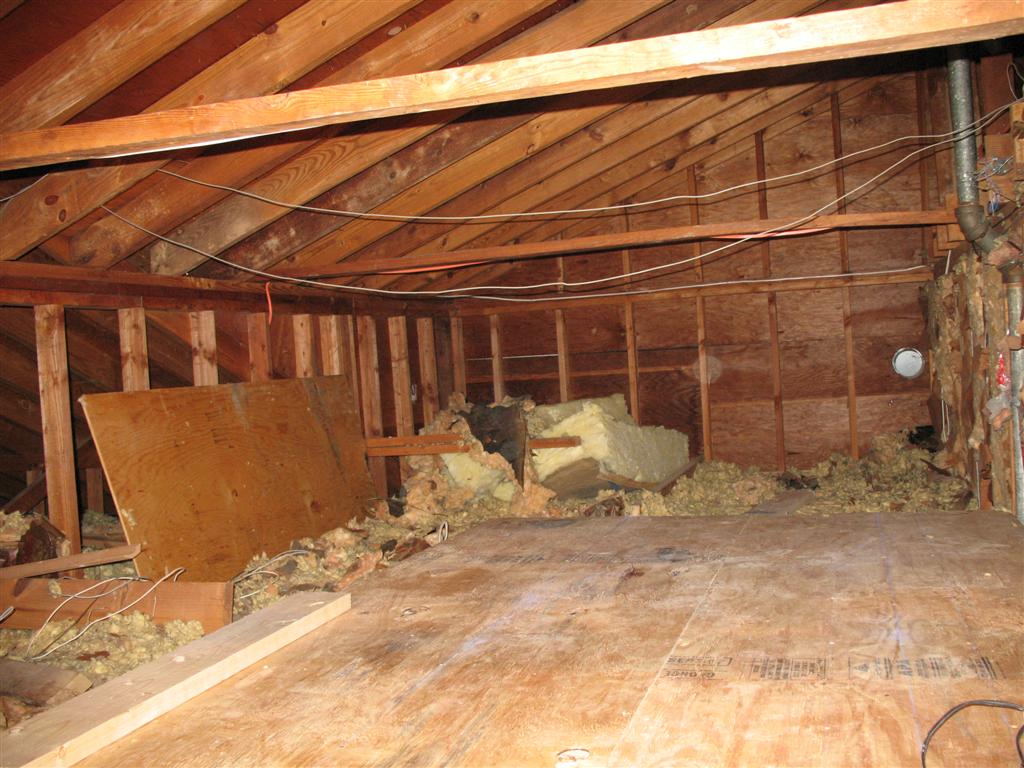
(428, 368)
(258, 335)
(302, 330)
(203, 334)
(370, 399)
(497, 360)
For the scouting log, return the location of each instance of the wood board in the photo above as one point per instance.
(726, 641)
(66, 734)
(208, 602)
(206, 477)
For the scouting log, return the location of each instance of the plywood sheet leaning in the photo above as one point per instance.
(206, 477)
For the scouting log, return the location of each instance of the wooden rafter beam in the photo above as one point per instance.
(899, 26)
(617, 240)
(32, 284)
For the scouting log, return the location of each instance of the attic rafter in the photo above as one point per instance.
(304, 39)
(119, 44)
(772, 110)
(323, 168)
(430, 43)
(475, 153)
(900, 26)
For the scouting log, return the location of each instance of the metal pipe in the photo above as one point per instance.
(970, 215)
(1013, 278)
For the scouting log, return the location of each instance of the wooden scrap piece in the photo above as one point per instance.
(74, 730)
(207, 477)
(785, 503)
(71, 562)
(42, 541)
(40, 683)
(209, 603)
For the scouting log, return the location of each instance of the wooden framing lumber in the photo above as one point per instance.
(131, 325)
(889, 28)
(71, 562)
(24, 283)
(302, 331)
(844, 261)
(94, 490)
(258, 338)
(629, 324)
(773, 312)
(428, 367)
(55, 407)
(703, 375)
(401, 381)
(497, 359)
(28, 499)
(208, 602)
(72, 731)
(627, 239)
(203, 332)
(458, 356)
(418, 445)
(369, 395)
(119, 44)
(263, 64)
(562, 346)
(332, 358)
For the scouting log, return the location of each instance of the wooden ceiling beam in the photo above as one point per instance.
(329, 164)
(118, 45)
(634, 239)
(304, 39)
(571, 127)
(439, 39)
(887, 28)
(30, 284)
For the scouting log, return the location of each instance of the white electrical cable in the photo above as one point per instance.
(23, 189)
(951, 135)
(460, 293)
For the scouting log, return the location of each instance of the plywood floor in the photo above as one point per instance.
(654, 642)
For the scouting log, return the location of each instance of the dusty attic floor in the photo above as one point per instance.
(705, 641)
(893, 477)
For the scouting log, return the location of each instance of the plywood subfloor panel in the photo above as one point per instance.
(207, 477)
(755, 640)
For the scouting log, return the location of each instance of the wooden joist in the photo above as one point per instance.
(418, 445)
(628, 239)
(208, 602)
(71, 562)
(889, 28)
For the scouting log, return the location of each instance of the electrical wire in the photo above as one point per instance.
(170, 574)
(460, 293)
(974, 703)
(20, 191)
(949, 135)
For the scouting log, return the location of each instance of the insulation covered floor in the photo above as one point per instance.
(727, 641)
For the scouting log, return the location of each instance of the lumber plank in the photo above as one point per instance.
(844, 261)
(71, 562)
(234, 470)
(264, 64)
(208, 602)
(458, 356)
(302, 331)
(55, 407)
(28, 499)
(497, 359)
(628, 239)
(428, 367)
(203, 338)
(562, 345)
(401, 382)
(901, 26)
(370, 396)
(119, 44)
(258, 342)
(131, 323)
(72, 731)
(332, 357)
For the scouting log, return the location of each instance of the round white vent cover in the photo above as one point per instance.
(908, 362)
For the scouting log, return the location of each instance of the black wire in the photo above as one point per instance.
(974, 703)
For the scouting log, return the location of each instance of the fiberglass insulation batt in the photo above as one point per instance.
(609, 436)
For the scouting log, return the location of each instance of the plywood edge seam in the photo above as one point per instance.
(78, 728)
